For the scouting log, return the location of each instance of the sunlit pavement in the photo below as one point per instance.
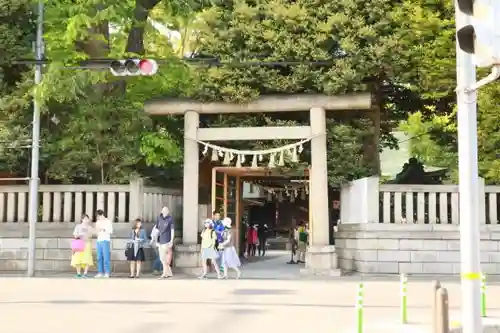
(57, 305)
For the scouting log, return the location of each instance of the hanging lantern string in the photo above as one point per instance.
(278, 189)
(255, 152)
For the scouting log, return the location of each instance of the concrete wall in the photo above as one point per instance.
(53, 244)
(54, 247)
(411, 248)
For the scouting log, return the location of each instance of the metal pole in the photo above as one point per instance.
(35, 143)
(483, 295)
(359, 309)
(404, 300)
(468, 187)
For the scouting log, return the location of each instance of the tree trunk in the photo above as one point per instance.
(372, 143)
(97, 46)
(135, 40)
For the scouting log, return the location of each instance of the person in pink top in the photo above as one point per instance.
(251, 240)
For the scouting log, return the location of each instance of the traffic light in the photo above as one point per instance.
(133, 67)
(478, 30)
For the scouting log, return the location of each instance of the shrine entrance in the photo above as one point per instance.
(320, 257)
(238, 192)
(226, 197)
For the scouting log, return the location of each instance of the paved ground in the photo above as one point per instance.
(274, 267)
(59, 305)
(257, 303)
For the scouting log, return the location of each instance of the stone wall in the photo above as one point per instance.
(53, 244)
(411, 248)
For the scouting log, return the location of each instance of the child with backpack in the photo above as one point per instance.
(219, 229)
(208, 249)
(302, 239)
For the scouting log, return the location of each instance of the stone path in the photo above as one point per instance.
(273, 266)
(59, 305)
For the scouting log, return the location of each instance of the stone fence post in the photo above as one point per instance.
(359, 201)
(136, 198)
(482, 201)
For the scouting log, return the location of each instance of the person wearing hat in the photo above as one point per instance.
(208, 251)
(230, 258)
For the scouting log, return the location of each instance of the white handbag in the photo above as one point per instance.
(154, 234)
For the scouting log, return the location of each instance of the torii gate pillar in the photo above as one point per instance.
(321, 258)
(187, 254)
(190, 181)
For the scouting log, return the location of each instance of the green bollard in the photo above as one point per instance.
(483, 295)
(404, 300)
(359, 308)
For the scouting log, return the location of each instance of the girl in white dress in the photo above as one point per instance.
(230, 257)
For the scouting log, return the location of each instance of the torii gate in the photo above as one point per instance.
(321, 258)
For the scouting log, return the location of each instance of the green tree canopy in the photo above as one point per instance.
(93, 125)
(489, 133)
(16, 35)
(434, 141)
(401, 51)
(369, 43)
(425, 144)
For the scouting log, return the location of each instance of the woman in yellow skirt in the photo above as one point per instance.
(83, 260)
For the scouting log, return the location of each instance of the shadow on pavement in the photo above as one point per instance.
(263, 292)
(215, 303)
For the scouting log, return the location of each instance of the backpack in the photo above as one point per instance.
(303, 236)
(219, 232)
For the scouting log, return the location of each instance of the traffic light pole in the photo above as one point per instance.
(35, 147)
(468, 187)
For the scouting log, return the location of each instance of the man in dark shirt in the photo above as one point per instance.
(166, 234)
(262, 233)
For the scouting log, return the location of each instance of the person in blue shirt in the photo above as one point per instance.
(166, 233)
(219, 228)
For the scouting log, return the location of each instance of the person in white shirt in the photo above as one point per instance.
(83, 259)
(104, 229)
